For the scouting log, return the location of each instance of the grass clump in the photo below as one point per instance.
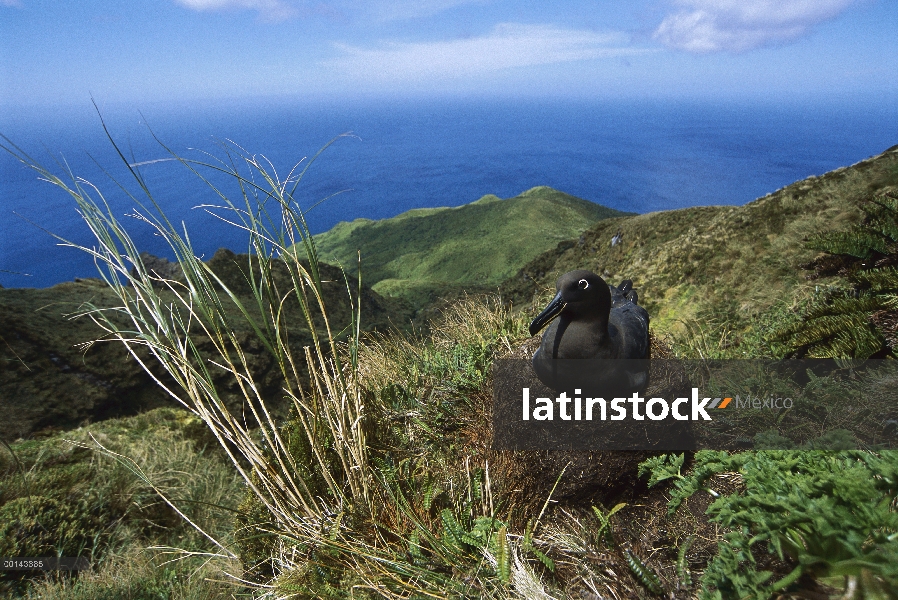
(438, 525)
(138, 574)
(713, 335)
(328, 511)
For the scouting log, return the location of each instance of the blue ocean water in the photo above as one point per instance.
(635, 156)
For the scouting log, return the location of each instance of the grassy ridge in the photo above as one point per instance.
(423, 253)
(720, 266)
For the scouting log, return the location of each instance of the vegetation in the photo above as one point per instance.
(50, 378)
(336, 514)
(821, 522)
(58, 497)
(427, 253)
(860, 320)
(830, 517)
(720, 270)
(379, 481)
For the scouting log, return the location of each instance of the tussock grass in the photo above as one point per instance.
(479, 323)
(189, 332)
(326, 512)
(713, 334)
(139, 575)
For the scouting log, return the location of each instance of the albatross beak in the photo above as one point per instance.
(550, 312)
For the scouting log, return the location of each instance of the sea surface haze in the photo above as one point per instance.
(634, 156)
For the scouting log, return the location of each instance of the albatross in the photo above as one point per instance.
(589, 324)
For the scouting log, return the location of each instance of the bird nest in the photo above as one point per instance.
(572, 476)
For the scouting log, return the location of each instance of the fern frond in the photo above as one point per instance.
(887, 201)
(845, 305)
(882, 212)
(882, 279)
(605, 532)
(453, 531)
(822, 328)
(682, 564)
(859, 243)
(854, 343)
(547, 562)
(503, 555)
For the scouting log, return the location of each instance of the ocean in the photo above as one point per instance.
(634, 156)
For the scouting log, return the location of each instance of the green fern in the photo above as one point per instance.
(467, 543)
(605, 534)
(452, 532)
(503, 555)
(840, 323)
(527, 546)
(860, 244)
(414, 547)
(882, 214)
(877, 234)
(431, 490)
(826, 515)
(662, 467)
(880, 280)
(841, 329)
(846, 304)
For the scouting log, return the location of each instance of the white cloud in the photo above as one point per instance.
(507, 46)
(272, 10)
(739, 25)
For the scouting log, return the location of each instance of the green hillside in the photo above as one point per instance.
(425, 253)
(716, 265)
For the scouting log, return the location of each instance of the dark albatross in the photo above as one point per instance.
(596, 322)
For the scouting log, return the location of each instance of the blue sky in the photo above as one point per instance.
(147, 50)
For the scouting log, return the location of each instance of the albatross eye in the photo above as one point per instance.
(582, 284)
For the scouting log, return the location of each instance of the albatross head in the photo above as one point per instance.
(582, 295)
